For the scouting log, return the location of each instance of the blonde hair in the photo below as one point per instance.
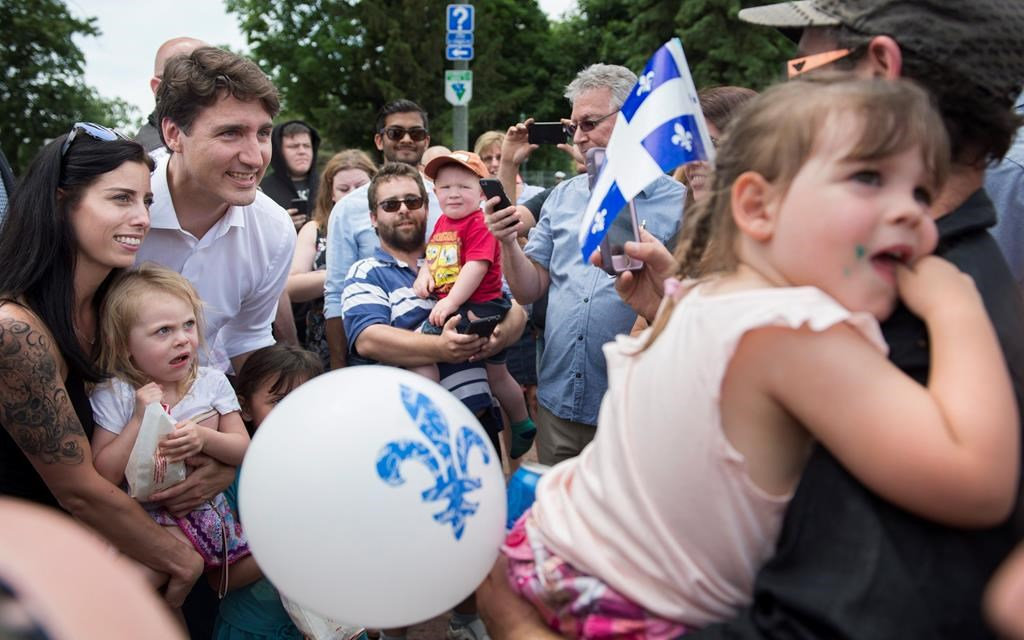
(775, 133)
(120, 312)
(486, 139)
(347, 159)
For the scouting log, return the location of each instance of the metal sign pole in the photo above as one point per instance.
(460, 117)
(460, 18)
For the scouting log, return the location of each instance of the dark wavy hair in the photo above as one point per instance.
(198, 80)
(38, 248)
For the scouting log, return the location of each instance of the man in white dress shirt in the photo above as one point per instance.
(209, 221)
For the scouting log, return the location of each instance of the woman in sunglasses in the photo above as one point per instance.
(76, 219)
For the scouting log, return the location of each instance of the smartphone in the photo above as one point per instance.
(492, 187)
(624, 227)
(546, 133)
(301, 204)
(482, 327)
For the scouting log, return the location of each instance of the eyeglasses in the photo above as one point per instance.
(391, 206)
(586, 126)
(93, 130)
(799, 66)
(418, 134)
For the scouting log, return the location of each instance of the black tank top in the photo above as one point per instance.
(18, 478)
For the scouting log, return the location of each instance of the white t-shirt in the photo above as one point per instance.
(239, 267)
(113, 402)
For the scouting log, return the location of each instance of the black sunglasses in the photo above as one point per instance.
(391, 206)
(586, 125)
(93, 130)
(418, 134)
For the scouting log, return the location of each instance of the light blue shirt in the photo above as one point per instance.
(1004, 184)
(351, 237)
(584, 311)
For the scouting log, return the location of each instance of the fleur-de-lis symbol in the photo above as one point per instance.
(646, 83)
(682, 137)
(598, 225)
(451, 474)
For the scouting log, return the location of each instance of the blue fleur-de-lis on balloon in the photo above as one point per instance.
(451, 474)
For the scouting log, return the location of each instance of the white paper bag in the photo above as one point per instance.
(149, 472)
(316, 626)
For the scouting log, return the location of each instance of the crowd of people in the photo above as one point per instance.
(800, 419)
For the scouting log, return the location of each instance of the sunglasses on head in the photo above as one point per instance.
(392, 206)
(586, 126)
(93, 130)
(418, 134)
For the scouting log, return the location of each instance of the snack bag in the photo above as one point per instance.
(316, 626)
(149, 472)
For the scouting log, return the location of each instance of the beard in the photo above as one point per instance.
(405, 239)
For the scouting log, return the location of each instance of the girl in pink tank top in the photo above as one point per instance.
(818, 223)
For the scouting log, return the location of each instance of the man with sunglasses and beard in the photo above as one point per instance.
(584, 311)
(401, 135)
(382, 313)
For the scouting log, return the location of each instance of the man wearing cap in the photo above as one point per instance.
(849, 564)
(401, 135)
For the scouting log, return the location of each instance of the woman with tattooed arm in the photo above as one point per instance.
(77, 217)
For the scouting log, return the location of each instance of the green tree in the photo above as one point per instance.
(720, 49)
(336, 63)
(42, 91)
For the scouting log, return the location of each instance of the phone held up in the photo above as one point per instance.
(301, 205)
(492, 188)
(624, 228)
(546, 133)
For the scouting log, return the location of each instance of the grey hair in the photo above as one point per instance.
(603, 76)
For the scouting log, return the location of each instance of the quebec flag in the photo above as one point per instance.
(659, 127)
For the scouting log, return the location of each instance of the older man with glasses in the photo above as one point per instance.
(584, 311)
(401, 135)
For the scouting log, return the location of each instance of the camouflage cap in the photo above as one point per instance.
(981, 40)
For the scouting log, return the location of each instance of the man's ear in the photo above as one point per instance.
(884, 58)
(154, 84)
(378, 141)
(172, 134)
(373, 218)
(754, 206)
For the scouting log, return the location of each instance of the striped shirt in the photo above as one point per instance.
(378, 290)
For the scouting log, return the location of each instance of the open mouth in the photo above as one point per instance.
(180, 360)
(886, 261)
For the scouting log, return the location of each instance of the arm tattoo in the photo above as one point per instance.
(34, 407)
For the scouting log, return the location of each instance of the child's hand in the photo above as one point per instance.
(424, 283)
(441, 311)
(145, 396)
(186, 441)
(932, 285)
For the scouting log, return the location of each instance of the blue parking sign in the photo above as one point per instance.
(460, 17)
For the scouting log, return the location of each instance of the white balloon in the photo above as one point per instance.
(373, 496)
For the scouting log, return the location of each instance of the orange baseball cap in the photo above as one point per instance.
(465, 159)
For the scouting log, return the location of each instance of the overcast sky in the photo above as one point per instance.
(119, 63)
